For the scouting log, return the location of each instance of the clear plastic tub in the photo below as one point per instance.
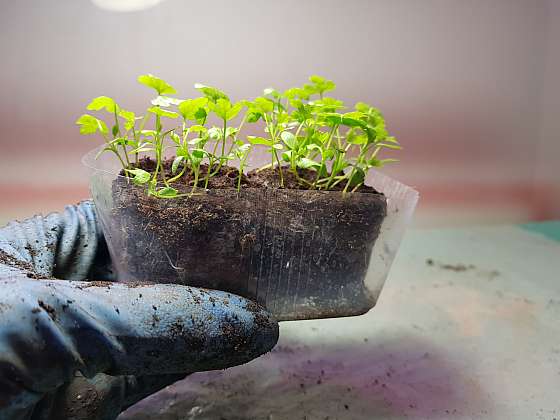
(302, 254)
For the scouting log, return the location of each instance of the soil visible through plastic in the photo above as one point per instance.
(302, 253)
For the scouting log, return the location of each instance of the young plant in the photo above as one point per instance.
(305, 133)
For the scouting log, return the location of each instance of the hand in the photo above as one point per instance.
(88, 350)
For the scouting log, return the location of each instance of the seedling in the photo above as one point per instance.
(304, 130)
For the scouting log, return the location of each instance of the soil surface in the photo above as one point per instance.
(301, 253)
(227, 177)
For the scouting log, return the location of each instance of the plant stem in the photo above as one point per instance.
(357, 186)
(224, 138)
(176, 177)
(196, 173)
(279, 169)
(114, 150)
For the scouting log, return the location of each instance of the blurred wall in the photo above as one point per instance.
(469, 87)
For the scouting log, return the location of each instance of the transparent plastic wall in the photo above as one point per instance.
(302, 254)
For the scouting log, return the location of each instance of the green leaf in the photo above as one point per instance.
(143, 147)
(358, 176)
(287, 156)
(221, 108)
(381, 132)
(167, 192)
(384, 161)
(162, 112)
(176, 162)
(253, 116)
(277, 146)
(129, 117)
(193, 109)
(215, 133)
(289, 139)
(362, 107)
(234, 110)
(175, 138)
(224, 109)
(314, 146)
(231, 131)
(389, 146)
(200, 115)
(91, 125)
(328, 154)
(356, 139)
(199, 153)
(197, 129)
(210, 92)
(295, 93)
(160, 85)
(271, 92)
(148, 133)
(306, 163)
(121, 141)
(195, 141)
(165, 101)
(321, 84)
(140, 176)
(103, 102)
(259, 140)
(263, 105)
(182, 151)
(328, 104)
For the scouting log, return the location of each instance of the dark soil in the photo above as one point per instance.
(22, 265)
(227, 177)
(270, 178)
(301, 253)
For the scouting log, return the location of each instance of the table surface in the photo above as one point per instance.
(467, 327)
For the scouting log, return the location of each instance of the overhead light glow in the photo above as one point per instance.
(126, 5)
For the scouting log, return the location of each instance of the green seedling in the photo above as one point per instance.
(304, 130)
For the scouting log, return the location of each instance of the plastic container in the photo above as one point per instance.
(302, 254)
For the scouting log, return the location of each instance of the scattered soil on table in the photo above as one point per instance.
(453, 267)
(284, 247)
(22, 265)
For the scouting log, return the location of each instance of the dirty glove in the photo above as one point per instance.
(72, 349)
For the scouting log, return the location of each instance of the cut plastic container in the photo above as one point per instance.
(302, 254)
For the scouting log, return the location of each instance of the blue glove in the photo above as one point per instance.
(88, 350)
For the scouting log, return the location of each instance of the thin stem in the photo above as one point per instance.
(176, 177)
(279, 169)
(224, 138)
(114, 150)
(357, 186)
(196, 173)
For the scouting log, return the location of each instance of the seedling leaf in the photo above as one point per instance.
(259, 140)
(91, 125)
(167, 192)
(103, 102)
(162, 112)
(210, 92)
(140, 176)
(160, 85)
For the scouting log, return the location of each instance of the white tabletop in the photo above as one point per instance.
(467, 327)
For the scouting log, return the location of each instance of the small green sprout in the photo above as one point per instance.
(304, 130)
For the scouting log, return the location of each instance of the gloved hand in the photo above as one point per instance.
(88, 350)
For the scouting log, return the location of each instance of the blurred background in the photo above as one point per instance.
(470, 88)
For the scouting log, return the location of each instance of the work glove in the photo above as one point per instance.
(73, 349)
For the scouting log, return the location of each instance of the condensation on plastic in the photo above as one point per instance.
(287, 301)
